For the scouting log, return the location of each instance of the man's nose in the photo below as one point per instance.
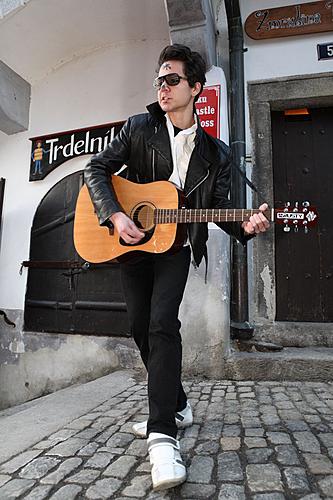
(164, 85)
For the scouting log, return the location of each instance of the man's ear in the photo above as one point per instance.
(196, 89)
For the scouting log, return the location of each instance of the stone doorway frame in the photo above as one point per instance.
(264, 96)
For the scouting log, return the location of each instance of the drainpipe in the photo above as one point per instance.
(239, 307)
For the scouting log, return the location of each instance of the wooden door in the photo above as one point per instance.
(65, 294)
(303, 171)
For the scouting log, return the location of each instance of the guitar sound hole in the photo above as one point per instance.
(143, 216)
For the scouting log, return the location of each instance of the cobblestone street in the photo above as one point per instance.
(256, 440)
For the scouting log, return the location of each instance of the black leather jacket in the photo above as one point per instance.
(143, 145)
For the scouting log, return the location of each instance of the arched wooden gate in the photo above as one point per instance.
(65, 294)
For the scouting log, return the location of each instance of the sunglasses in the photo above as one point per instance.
(171, 79)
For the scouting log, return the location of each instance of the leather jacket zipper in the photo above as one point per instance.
(195, 187)
(153, 159)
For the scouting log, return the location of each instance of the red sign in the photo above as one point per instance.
(208, 110)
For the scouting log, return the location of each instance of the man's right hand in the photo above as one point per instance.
(126, 228)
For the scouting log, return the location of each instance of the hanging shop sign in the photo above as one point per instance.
(208, 109)
(300, 19)
(50, 151)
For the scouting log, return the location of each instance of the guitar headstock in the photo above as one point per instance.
(300, 215)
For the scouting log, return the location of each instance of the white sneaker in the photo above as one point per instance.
(183, 419)
(168, 469)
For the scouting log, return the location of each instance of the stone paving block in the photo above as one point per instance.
(62, 471)
(296, 425)
(68, 448)
(318, 464)
(231, 418)
(278, 438)
(4, 478)
(264, 477)
(68, 492)
(39, 467)
(138, 448)
(207, 448)
(144, 467)
(61, 435)
(40, 492)
(15, 488)
(88, 450)
(232, 492)
(230, 443)
(120, 467)
(287, 455)
(197, 491)
(270, 420)
(259, 455)
(313, 496)
(284, 405)
(80, 423)
(229, 467)
(269, 496)
(255, 432)
(231, 431)
(307, 442)
(103, 489)
(43, 445)
(200, 470)
(88, 433)
(19, 461)
(326, 438)
(139, 487)
(121, 439)
(102, 438)
(100, 460)
(296, 480)
(186, 444)
(254, 442)
(326, 486)
(156, 495)
(85, 476)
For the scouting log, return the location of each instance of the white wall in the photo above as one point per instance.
(105, 86)
(281, 57)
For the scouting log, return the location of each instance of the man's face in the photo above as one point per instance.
(177, 97)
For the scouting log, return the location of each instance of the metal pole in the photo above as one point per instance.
(239, 310)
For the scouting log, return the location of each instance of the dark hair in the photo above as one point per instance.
(194, 65)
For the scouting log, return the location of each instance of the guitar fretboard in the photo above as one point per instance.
(184, 215)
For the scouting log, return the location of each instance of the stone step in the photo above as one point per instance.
(306, 363)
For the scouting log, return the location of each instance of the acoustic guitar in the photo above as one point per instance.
(157, 208)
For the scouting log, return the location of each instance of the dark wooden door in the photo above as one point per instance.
(65, 294)
(303, 171)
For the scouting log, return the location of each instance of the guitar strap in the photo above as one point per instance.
(246, 179)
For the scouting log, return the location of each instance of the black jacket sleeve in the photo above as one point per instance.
(97, 174)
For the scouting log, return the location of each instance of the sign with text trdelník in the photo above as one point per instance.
(50, 151)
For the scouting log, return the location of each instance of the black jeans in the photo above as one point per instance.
(154, 287)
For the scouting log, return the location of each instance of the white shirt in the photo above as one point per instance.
(182, 146)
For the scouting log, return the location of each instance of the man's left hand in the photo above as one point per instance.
(257, 222)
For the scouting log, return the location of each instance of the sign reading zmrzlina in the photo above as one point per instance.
(50, 151)
(300, 19)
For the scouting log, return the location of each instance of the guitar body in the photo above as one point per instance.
(95, 243)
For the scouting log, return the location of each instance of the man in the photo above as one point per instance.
(167, 143)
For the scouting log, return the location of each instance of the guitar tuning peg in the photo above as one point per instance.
(306, 229)
(296, 228)
(286, 228)
(306, 204)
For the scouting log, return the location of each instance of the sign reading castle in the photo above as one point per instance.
(300, 19)
(50, 151)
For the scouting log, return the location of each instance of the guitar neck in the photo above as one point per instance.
(184, 215)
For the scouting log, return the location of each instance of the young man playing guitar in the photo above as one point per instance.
(167, 143)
